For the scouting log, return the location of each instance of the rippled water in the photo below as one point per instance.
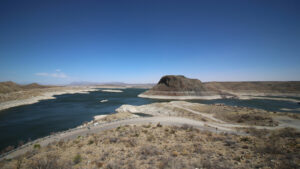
(64, 112)
(71, 110)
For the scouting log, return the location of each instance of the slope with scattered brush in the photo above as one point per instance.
(9, 86)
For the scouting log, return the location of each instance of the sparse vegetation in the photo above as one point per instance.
(37, 146)
(77, 159)
(234, 114)
(169, 147)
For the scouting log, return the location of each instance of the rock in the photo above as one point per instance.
(178, 85)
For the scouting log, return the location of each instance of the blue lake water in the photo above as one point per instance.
(64, 112)
(71, 110)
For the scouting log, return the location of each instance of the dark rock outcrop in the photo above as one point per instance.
(178, 85)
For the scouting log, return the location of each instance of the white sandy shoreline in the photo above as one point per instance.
(112, 91)
(180, 97)
(281, 97)
(45, 96)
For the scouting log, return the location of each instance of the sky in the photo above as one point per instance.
(138, 41)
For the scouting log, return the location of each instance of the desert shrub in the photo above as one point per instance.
(19, 163)
(113, 140)
(60, 143)
(174, 153)
(77, 159)
(37, 146)
(158, 125)
(229, 143)
(197, 148)
(172, 131)
(187, 127)
(245, 139)
(113, 165)
(150, 137)
(129, 142)
(90, 142)
(49, 162)
(149, 150)
(281, 141)
(260, 133)
(172, 163)
(147, 126)
(210, 164)
(99, 164)
(286, 132)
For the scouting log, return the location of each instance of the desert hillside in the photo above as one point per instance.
(276, 86)
(9, 86)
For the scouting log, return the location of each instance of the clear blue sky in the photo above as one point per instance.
(139, 41)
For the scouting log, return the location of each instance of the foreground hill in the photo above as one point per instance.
(180, 87)
(9, 86)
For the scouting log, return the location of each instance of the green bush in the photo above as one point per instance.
(77, 159)
(37, 146)
(91, 142)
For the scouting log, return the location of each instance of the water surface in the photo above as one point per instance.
(71, 110)
(65, 112)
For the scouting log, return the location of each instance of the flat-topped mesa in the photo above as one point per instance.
(172, 85)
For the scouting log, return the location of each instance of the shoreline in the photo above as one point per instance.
(180, 97)
(244, 96)
(45, 96)
(210, 124)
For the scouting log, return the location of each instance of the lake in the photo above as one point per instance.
(71, 110)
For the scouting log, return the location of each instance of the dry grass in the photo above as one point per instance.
(157, 146)
(116, 116)
(240, 115)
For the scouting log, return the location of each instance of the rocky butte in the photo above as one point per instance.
(180, 87)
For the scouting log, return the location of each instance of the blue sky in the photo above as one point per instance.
(58, 42)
